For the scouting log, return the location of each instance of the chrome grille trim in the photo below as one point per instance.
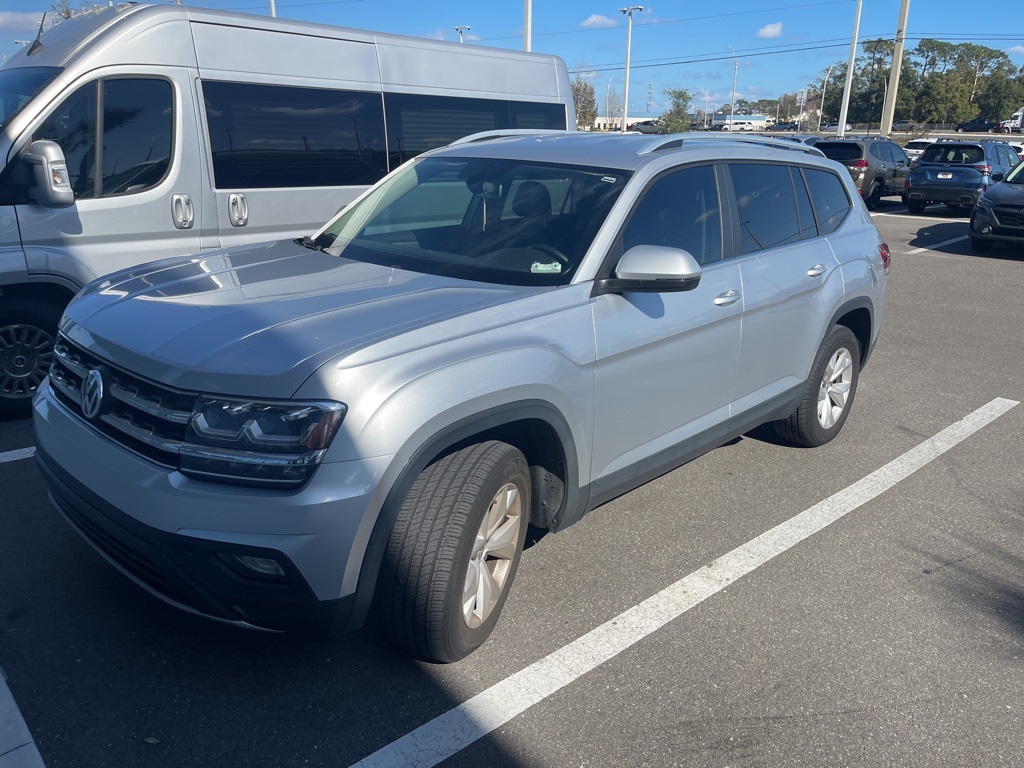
(143, 434)
(131, 397)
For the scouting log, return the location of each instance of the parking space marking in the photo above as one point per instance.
(18, 455)
(932, 219)
(459, 727)
(936, 245)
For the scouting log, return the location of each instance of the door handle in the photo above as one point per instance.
(238, 209)
(727, 298)
(182, 212)
(816, 271)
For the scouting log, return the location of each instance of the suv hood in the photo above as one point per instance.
(257, 321)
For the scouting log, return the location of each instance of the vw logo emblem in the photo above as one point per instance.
(92, 393)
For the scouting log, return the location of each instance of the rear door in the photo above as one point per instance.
(131, 144)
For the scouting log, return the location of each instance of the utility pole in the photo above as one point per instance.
(848, 88)
(527, 25)
(889, 107)
(629, 38)
(735, 71)
(650, 93)
(824, 86)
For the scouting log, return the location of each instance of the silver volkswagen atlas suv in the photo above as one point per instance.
(511, 330)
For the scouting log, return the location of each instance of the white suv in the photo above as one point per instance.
(509, 330)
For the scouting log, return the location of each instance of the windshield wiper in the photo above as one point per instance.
(308, 242)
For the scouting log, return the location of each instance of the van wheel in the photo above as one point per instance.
(874, 196)
(454, 550)
(829, 392)
(915, 206)
(27, 332)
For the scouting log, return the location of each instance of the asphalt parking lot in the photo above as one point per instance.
(857, 604)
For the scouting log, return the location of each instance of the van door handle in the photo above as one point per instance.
(181, 211)
(725, 299)
(238, 209)
(816, 271)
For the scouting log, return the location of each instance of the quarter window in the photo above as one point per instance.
(765, 205)
(270, 136)
(808, 228)
(680, 210)
(830, 201)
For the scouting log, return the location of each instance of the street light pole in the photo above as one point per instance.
(527, 25)
(460, 28)
(707, 98)
(735, 71)
(848, 88)
(608, 105)
(824, 85)
(629, 38)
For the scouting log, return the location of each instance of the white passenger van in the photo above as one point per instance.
(138, 132)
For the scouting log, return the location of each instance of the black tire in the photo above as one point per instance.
(419, 597)
(805, 425)
(874, 197)
(915, 206)
(27, 332)
(981, 245)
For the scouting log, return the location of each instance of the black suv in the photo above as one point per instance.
(978, 126)
(878, 165)
(957, 172)
(998, 216)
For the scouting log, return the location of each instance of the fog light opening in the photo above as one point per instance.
(265, 566)
(986, 230)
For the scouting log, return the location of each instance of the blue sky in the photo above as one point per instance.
(780, 45)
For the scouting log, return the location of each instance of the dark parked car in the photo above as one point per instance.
(878, 165)
(785, 127)
(998, 216)
(957, 172)
(979, 126)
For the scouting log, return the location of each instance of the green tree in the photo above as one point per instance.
(585, 101)
(677, 118)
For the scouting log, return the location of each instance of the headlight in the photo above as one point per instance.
(277, 444)
(983, 202)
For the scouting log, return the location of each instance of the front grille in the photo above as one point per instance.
(1008, 215)
(143, 416)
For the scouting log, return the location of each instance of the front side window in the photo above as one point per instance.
(137, 135)
(271, 136)
(680, 210)
(482, 219)
(766, 206)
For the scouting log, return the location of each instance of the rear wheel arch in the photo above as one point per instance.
(858, 316)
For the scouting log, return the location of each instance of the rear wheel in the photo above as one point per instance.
(874, 196)
(829, 392)
(915, 206)
(27, 332)
(454, 551)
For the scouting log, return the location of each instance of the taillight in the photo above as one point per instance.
(860, 164)
(985, 169)
(906, 183)
(883, 251)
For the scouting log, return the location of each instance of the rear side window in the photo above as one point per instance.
(808, 228)
(953, 153)
(766, 206)
(829, 199)
(272, 136)
(840, 150)
(137, 125)
(680, 210)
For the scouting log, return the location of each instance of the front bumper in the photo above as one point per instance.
(986, 226)
(180, 539)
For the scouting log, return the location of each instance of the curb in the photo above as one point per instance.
(17, 749)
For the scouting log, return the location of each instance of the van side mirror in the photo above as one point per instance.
(50, 185)
(652, 269)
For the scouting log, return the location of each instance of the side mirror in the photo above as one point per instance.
(652, 269)
(50, 184)
(998, 177)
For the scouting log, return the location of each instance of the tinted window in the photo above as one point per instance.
(898, 155)
(138, 119)
(73, 126)
(829, 199)
(953, 153)
(803, 206)
(19, 85)
(275, 136)
(840, 150)
(418, 123)
(879, 152)
(680, 210)
(765, 205)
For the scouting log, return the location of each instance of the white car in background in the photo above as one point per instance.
(915, 147)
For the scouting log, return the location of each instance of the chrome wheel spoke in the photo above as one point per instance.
(494, 550)
(834, 388)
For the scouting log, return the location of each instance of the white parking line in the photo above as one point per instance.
(932, 219)
(936, 245)
(446, 734)
(18, 455)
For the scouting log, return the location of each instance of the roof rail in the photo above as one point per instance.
(677, 140)
(509, 132)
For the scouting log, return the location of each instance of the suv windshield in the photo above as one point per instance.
(840, 150)
(953, 153)
(484, 219)
(19, 85)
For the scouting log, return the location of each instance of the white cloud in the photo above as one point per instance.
(1017, 49)
(437, 34)
(597, 21)
(771, 30)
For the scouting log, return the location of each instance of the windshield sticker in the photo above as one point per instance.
(546, 269)
(609, 179)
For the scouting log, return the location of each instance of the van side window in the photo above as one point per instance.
(830, 201)
(417, 123)
(272, 136)
(765, 205)
(138, 121)
(680, 210)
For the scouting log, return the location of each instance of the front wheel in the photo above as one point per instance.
(829, 392)
(27, 333)
(454, 551)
